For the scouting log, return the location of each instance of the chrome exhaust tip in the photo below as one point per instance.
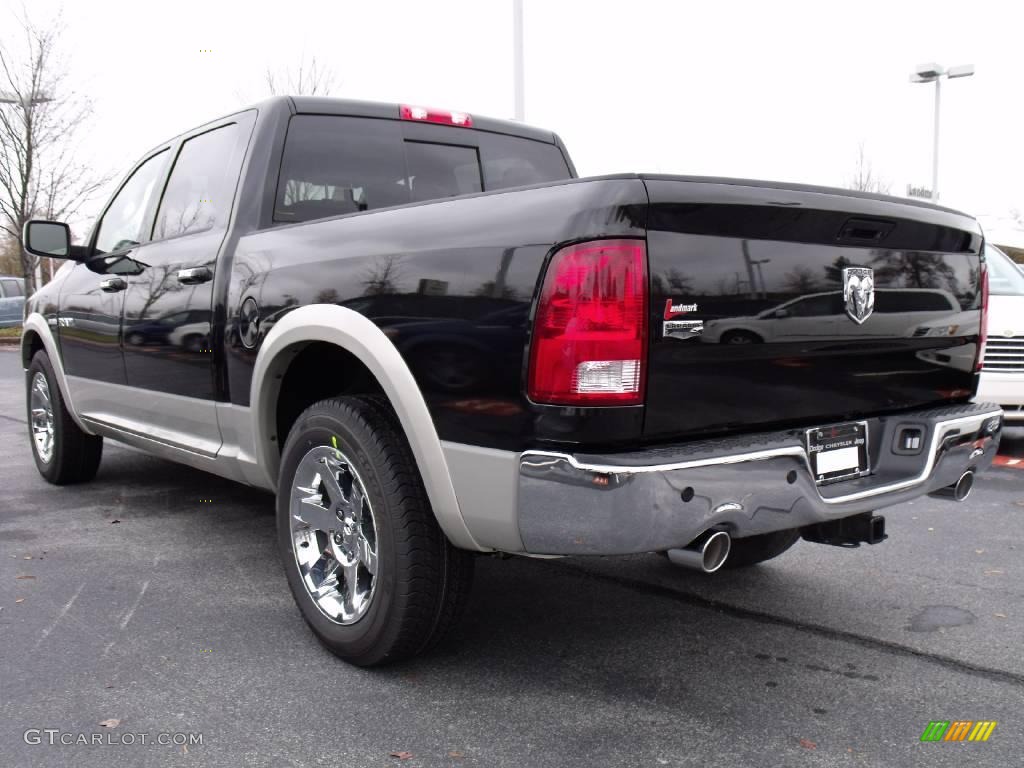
(964, 486)
(958, 491)
(705, 553)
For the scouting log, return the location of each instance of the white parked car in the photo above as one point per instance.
(816, 316)
(192, 336)
(1002, 375)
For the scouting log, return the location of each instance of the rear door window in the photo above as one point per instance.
(201, 189)
(12, 288)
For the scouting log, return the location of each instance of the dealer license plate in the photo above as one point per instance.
(838, 452)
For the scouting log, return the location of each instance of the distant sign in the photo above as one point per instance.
(923, 192)
(434, 287)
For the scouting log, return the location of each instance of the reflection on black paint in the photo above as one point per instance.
(187, 329)
(898, 313)
(474, 347)
(775, 319)
(451, 285)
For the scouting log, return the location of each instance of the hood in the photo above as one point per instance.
(1006, 316)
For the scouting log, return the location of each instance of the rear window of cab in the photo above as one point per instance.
(335, 165)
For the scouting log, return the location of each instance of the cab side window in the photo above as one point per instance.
(201, 188)
(123, 223)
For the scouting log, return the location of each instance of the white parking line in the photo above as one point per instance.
(63, 612)
(135, 605)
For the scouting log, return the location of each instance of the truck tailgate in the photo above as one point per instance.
(774, 305)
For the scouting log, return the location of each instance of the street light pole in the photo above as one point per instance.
(760, 273)
(517, 59)
(935, 139)
(933, 73)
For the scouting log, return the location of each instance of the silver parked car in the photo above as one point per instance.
(1002, 375)
(12, 301)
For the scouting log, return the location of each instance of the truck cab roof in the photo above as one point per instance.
(321, 105)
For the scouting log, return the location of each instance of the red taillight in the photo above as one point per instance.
(425, 115)
(589, 344)
(983, 333)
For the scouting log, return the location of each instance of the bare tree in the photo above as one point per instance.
(864, 178)
(40, 175)
(311, 79)
(10, 261)
(328, 296)
(834, 271)
(801, 280)
(382, 277)
(162, 280)
(915, 270)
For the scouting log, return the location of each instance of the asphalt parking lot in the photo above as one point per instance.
(134, 599)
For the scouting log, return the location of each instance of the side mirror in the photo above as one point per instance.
(781, 314)
(48, 238)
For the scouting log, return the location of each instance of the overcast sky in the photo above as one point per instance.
(772, 90)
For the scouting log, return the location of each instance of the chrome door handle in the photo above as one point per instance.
(112, 284)
(194, 275)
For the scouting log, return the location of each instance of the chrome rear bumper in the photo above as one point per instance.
(665, 497)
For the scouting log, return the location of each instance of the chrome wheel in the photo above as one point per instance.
(42, 417)
(334, 535)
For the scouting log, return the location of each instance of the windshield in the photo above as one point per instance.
(1004, 277)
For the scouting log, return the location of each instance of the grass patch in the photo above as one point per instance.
(10, 333)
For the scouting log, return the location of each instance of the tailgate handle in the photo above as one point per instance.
(865, 230)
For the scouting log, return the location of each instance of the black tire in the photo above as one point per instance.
(194, 343)
(757, 549)
(422, 581)
(75, 455)
(741, 337)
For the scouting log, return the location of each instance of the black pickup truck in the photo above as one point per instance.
(431, 339)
